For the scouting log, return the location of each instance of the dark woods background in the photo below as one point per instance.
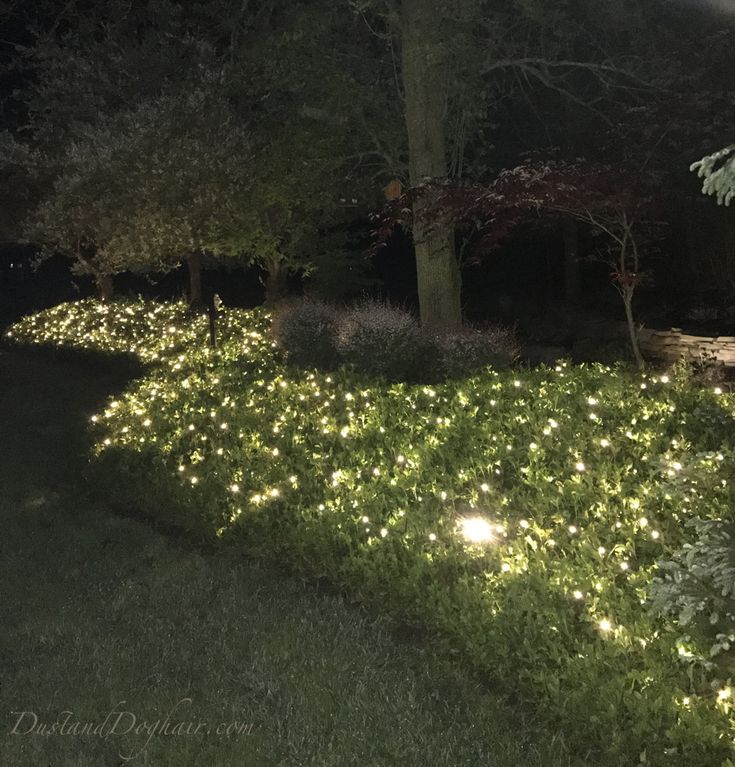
(675, 106)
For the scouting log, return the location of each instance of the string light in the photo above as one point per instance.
(477, 530)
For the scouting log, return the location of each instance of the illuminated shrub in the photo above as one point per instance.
(307, 331)
(520, 515)
(382, 340)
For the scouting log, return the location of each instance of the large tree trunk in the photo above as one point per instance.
(571, 260)
(196, 297)
(276, 283)
(424, 72)
(105, 287)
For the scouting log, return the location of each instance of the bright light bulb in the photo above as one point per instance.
(477, 530)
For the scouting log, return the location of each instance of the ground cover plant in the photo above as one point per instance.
(99, 608)
(521, 515)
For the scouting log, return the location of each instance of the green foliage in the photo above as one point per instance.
(520, 515)
(718, 172)
(130, 608)
(197, 134)
(340, 270)
(697, 586)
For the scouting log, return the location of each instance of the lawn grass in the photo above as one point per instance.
(99, 608)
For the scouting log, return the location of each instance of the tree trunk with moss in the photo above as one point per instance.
(196, 296)
(424, 74)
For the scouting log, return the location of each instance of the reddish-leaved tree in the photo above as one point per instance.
(613, 202)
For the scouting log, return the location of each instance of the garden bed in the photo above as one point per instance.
(519, 515)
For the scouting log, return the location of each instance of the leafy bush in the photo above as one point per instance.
(464, 352)
(697, 586)
(307, 330)
(381, 340)
(520, 515)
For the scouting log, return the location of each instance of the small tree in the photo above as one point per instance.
(147, 189)
(611, 201)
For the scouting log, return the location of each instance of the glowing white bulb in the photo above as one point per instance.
(477, 530)
(605, 625)
(580, 467)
